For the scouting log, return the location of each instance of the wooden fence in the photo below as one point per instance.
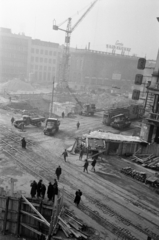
(29, 217)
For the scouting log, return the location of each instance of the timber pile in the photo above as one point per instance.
(71, 226)
(146, 160)
(140, 176)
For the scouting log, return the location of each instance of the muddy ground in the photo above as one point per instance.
(113, 204)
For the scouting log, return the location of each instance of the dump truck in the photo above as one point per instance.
(51, 126)
(132, 111)
(28, 120)
(120, 121)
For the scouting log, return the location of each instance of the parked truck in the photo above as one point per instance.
(51, 126)
(28, 120)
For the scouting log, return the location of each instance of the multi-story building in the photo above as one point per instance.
(92, 68)
(14, 55)
(43, 60)
(27, 59)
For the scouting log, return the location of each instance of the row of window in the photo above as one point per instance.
(36, 59)
(42, 51)
(41, 77)
(40, 67)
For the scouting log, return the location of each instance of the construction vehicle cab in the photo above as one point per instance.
(120, 121)
(88, 109)
(51, 126)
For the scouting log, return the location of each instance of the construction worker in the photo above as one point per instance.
(78, 125)
(39, 186)
(55, 189)
(58, 172)
(23, 143)
(50, 191)
(65, 155)
(43, 190)
(81, 154)
(85, 166)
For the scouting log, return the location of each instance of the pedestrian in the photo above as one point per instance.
(43, 190)
(93, 164)
(78, 195)
(78, 125)
(12, 120)
(33, 186)
(50, 191)
(55, 189)
(23, 143)
(63, 114)
(58, 172)
(81, 154)
(85, 166)
(65, 155)
(39, 186)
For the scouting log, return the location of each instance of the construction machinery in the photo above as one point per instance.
(131, 111)
(120, 121)
(28, 120)
(51, 126)
(68, 31)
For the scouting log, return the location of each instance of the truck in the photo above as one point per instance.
(131, 111)
(51, 126)
(28, 120)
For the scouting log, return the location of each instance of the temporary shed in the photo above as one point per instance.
(113, 143)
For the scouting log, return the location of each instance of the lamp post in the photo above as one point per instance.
(52, 96)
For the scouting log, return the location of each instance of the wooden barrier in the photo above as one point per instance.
(28, 217)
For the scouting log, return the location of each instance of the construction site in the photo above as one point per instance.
(70, 125)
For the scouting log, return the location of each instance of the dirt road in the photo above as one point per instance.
(117, 206)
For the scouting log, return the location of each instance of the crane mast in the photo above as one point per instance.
(66, 53)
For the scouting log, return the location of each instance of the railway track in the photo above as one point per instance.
(29, 165)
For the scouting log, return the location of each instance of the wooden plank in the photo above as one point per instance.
(35, 210)
(5, 215)
(18, 218)
(31, 229)
(33, 216)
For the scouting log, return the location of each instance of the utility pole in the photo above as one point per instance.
(52, 96)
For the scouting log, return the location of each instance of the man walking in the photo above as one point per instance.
(55, 189)
(78, 125)
(23, 143)
(58, 172)
(65, 155)
(85, 166)
(93, 164)
(43, 190)
(78, 195)
(81, 154)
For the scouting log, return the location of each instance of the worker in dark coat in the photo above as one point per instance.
(43, 190)
(55, 189)
(78, 125)
(78, 195)
(58, 172)
(85, 166)
(33, 186)
(39, 187)
(93, 164)
(65, 155)
(63, 114)
(12, 120)
(23, 143)
(50, 191)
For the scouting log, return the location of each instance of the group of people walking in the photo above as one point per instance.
(86, 164)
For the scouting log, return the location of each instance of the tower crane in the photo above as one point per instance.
(68, 31)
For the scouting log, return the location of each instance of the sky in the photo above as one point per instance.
(132, 22)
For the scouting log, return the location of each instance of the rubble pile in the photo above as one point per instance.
(146, 160)
(16, 85)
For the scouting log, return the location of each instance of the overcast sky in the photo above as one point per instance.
(131, 22)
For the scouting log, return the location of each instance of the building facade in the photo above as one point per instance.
(14, 55)
(92, 68)
(27, 59)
